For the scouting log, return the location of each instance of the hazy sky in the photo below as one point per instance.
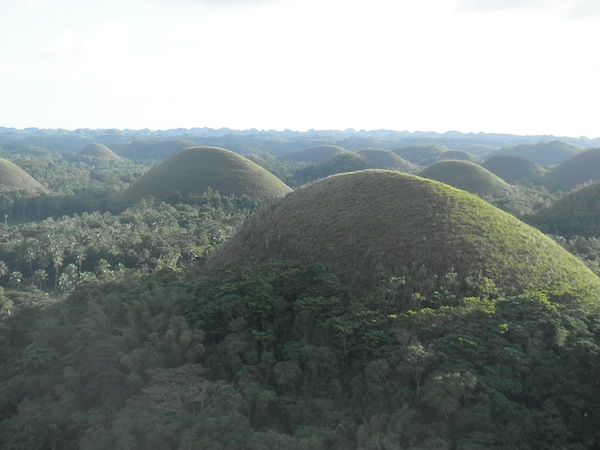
(508, 66)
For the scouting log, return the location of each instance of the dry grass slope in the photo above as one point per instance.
(377, 223)
(13, 178)
(467, 176)
(195, 170)
(100, 152)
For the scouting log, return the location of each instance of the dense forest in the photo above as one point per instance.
(216, 317)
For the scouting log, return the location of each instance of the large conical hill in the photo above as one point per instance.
(467, 176)
(575, 213)
(423, 154)
(198, 169)
(100, 152)
(580, 169)
(368, 225)
(514, 169)
(13, 178)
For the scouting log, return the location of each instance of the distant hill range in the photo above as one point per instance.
(198, 169)
(468, 176)
(367, 226)
(385, 159)
(313, 154)
(15, 179)
(582, 168)
(154, 150)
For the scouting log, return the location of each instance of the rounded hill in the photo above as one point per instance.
(514, 169)
(100, 152)
(368, 225)
(422, 154)
(544, 153)
(467, 176)
(197, 169)
(384, 159)
(13, 178)
(460, 155)
(576, 213)
(582, 168)
(317, 154)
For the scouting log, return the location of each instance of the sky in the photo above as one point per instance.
(492, 66)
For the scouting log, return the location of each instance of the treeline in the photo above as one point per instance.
(279, 356)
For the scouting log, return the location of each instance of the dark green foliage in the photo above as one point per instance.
(576, 213)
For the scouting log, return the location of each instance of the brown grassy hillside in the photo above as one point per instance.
(372, 224)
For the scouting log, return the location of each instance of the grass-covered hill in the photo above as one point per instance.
(514, 169)
(13, 178)
(341, 163)
(384, 159)
(544, 153)
(368, 225)
(576, 213)
(316, 154)
(467, 176)
(582, 168)
(424, 154)
(100, 152)
(459, 155)
(198, 169)
(154, 150)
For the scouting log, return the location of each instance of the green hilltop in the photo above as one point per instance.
(422, 154)
(544, 153)
(100, 152)
(384, 159)
(369, 225)
(316, 154)
(13, 178)
(514, 169)
(467, 176)
(577, 170)
(576, 213)
(198, 169)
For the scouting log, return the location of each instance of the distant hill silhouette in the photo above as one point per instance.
(368, 225)
(514, 169)
(385, 159)
(459, 155)
(13, 178)
(467, 176)
(197, 169)
(313, 154)
(154, 150)
(422, 154)
(576, 213)
(340, 163)
(544, 153)
(100, 152)
(582, 168)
